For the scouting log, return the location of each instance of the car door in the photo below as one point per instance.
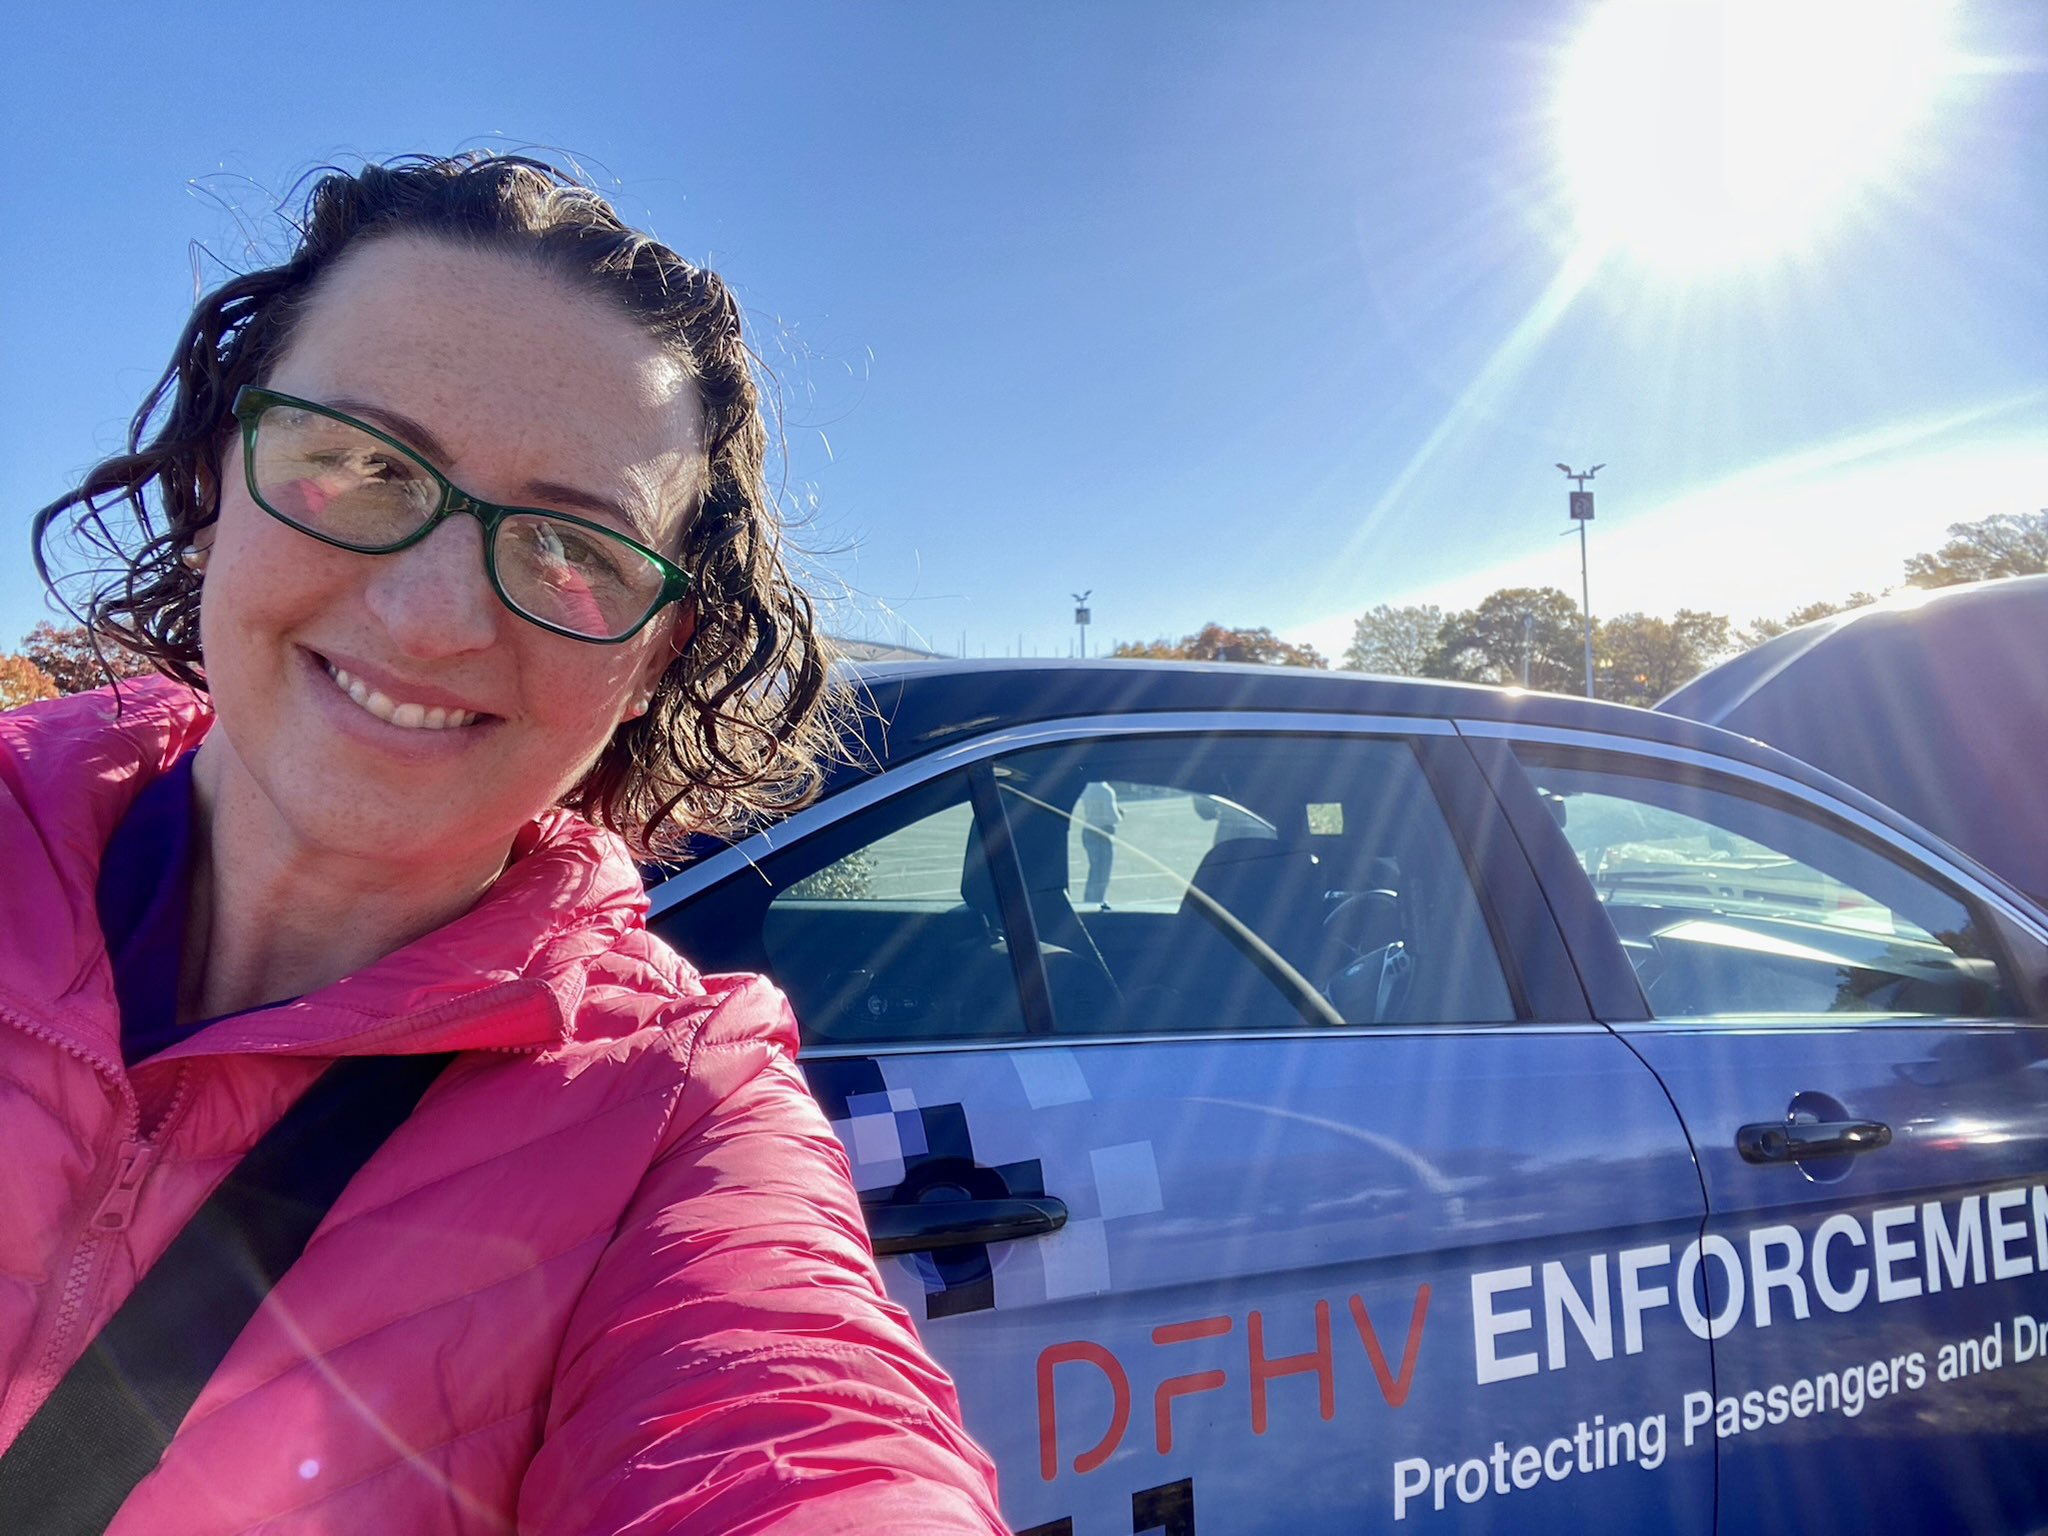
(1264, 1171)
(1842, 1020)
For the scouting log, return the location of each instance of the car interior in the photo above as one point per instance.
(1256, 888)
(1726, 907)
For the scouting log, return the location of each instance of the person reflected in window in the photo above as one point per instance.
(1100, 817)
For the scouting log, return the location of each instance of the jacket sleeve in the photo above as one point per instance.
(734, 1365)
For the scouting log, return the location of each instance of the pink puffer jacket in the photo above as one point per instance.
(610, 1276)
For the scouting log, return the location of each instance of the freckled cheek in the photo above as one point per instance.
(263, 607)
(577, 690)
(600, 704)
(257, 583)
(260, 548)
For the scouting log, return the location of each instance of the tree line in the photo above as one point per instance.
(1637, 657)
(56, 659)
(1536, 636)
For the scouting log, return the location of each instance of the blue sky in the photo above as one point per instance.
(1255, 313)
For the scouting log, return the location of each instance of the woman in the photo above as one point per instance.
(452, 541)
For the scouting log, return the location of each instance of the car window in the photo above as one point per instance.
(888, 928)
(1163, 832)
(917, 865)
(1730, 905)
(1246, 882)
(1172, 884)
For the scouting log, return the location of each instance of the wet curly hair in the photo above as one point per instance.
(738, 729)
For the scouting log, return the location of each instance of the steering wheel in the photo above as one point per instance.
(1367, 970)
(1374, 989)
(1359, 924)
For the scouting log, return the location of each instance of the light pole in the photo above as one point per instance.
(1081, 618)
(1582, 514)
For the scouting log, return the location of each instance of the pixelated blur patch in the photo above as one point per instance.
(907, 1153)
(1050, 1075)
(880, 1132)
(1126, 1179)
(1075, 1260)
(834, 1082)
(958, 1280)
(875, 1138)
(1168, 1510)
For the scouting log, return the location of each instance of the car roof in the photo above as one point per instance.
(1935, 703)
(1946, 618)
(901, 710)
(905, 709)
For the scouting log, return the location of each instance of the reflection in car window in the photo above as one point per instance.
(1246, 882)
(1727, 905)
(1163, 832)
(899, 936)
(919, 864)
(1173, 884)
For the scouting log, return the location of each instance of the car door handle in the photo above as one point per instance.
(1790, 1141)
(904, 1227)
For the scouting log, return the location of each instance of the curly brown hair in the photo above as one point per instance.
(737, 729)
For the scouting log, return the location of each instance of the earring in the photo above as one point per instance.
(193, 558)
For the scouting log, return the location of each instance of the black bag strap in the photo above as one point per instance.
(106, 1426)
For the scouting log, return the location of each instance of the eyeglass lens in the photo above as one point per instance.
(334, 480)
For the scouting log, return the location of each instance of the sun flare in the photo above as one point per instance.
(1700, 134)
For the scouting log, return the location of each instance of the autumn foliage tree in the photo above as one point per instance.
(1640, 657)
(23, 682)
(1759, 630)
(1213, 642)
(2006, 544)
(65, 655)
(1395, 641)
(1487, 644)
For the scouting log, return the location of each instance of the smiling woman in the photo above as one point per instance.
(369, 1165)
(1709, 133)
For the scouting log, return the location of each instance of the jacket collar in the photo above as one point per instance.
(507, 975)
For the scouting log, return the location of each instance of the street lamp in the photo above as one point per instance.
(1582, 514)
(1081, 615)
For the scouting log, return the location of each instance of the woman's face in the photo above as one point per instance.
(521, 390)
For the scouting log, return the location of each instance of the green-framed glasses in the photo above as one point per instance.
(345, 483)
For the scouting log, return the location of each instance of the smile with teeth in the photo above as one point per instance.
(410, 717)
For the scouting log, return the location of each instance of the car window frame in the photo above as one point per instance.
(1006, 874)
(1596, 944)
(1534, 954)
(1533, 950)
(742, 899)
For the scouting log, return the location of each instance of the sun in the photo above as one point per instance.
(1702, 134)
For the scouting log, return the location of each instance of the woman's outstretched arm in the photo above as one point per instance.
(734, 1365)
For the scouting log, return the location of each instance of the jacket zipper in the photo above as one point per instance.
(117, 1209)
(134, 1157)
(133, 1160)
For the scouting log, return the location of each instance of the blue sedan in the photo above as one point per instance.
(1295, 1102)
